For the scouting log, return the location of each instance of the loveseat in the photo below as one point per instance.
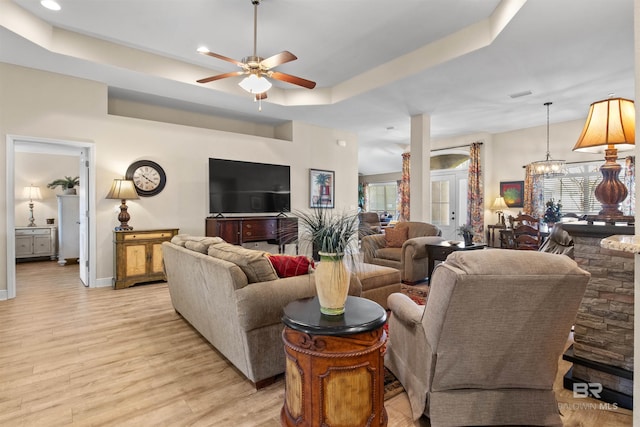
(402, 247)
(234, 298)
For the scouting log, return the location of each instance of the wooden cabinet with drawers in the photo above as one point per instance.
(239, 230)
(138, 256)
(34, 242)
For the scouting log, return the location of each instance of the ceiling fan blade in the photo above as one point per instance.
(260, 96)
(221, 76)
(278, 59)
(293, 79)
(224, 58)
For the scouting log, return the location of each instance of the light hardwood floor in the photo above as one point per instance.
(100, 357)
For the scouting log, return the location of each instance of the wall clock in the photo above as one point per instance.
(147, 176)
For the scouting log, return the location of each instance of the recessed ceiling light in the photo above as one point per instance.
(50, 4)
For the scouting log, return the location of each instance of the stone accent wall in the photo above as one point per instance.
(604, 324)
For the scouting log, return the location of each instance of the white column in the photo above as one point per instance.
(421, 168)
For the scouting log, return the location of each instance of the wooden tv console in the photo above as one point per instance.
(277, 230)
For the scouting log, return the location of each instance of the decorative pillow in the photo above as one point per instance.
(290, 265)
(395, 237)
(253, 263)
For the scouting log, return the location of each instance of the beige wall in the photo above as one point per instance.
(39, 170)
(47, 105)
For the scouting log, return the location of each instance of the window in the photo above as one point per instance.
(383, 197)
(576, 189)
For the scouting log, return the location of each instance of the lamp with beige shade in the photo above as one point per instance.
(610, 127)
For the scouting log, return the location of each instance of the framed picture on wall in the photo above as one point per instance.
(513, 193)
(321, 188)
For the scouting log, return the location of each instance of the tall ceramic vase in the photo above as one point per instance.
(332, 283)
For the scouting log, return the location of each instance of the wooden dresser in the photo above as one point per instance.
(138, 256)
(239, 230)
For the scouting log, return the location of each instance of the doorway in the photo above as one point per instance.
(85, 154)
(449, 201)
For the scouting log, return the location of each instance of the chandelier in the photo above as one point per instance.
(549, 168)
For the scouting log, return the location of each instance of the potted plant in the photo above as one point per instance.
(467, 232)
(552, 214)
(331, 235)
(67, 184)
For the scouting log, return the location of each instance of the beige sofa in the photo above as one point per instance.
(485, 348)
(232, 296)
(411, 258)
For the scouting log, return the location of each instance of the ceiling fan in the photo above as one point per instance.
(256, 68)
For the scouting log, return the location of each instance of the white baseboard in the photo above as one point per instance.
(4, 294)
(105, 282)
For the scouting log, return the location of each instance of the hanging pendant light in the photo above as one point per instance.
(549, 168)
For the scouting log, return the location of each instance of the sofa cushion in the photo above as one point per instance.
(182, 239)
(395, 237)
(202, 246)
(254, 264)
(389, 253)
(289, 265)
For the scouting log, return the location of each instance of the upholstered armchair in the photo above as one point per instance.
(558, 242)
(405, 251)
(369, 223)
(485, 348)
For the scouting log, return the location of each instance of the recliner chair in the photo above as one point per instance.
(485, 348)
(411, 258)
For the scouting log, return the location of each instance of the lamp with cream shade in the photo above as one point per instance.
(123, 189)
(31, 193)
(610, 127)
(499, 205)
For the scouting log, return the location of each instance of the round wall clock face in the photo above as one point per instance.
(147, 176)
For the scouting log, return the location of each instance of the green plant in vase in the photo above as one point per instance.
(467, 232)
(331, 235)
(552, 214)
(67, 184)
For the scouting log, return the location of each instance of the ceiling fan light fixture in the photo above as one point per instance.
(254, 84)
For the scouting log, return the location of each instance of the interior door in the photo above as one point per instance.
(449, 202)
(83, 223)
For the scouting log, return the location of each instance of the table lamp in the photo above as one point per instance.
(123, 189)
(499, 205)
(610, 127)
(31, 193)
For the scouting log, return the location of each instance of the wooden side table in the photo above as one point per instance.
(334, 365)
(440, 252)
(491, 234)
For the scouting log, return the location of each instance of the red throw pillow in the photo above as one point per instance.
(395, 237)
(290, 265)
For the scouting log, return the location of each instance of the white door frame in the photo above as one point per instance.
(40, 145)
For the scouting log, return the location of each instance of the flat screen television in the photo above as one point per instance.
(247, 187)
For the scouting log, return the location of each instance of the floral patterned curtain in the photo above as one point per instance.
(628, 206)
(475, 194)
(365, 193)
(403, 190)
(534, 204)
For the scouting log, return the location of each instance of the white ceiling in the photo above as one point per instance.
(376, 62)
